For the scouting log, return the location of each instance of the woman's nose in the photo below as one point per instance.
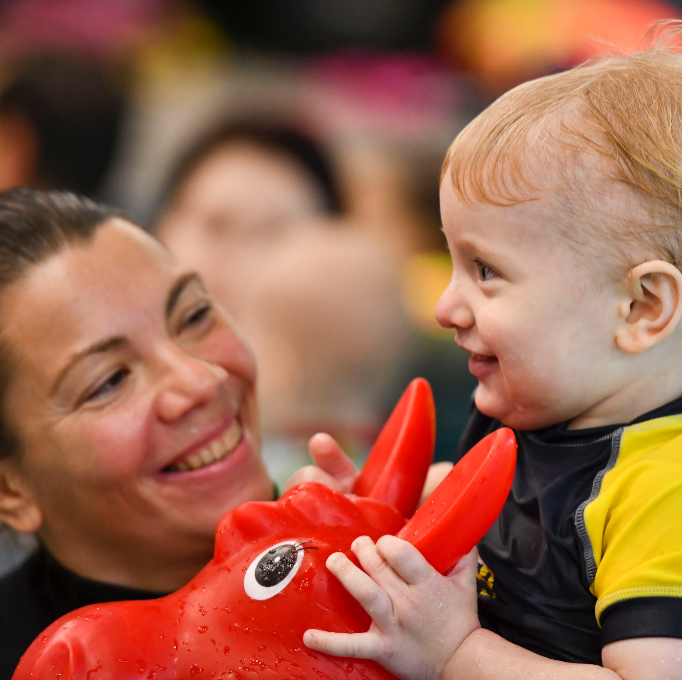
(187, 382)
(452, 309)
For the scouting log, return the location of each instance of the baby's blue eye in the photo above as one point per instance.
(484, 272)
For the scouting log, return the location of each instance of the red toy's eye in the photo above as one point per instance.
(272, 570)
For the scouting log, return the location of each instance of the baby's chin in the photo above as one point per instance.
(515, 416)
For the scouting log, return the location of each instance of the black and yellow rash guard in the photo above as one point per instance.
(588, 547)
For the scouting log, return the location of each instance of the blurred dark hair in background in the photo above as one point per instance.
(64, 115)
(275, 136)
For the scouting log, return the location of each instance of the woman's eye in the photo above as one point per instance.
(272, 570)
(197, 316)
(110, 384)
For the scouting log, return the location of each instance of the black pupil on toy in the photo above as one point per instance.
(276, 565)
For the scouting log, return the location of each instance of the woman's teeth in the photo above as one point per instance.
(217, 450)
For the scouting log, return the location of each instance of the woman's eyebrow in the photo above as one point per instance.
(116, 342)
(102, 346)
(177, 289)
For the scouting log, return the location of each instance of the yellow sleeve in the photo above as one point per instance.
(633, 520)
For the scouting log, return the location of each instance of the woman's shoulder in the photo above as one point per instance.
(40, 591)
(25, 612)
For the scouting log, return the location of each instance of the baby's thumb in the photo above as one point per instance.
(465, 569)
(329, 457)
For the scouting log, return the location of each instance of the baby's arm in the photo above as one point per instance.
(425, 625)
(485, 655)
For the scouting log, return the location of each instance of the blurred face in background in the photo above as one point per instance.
(242, 199)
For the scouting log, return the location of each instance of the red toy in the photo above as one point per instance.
(244, 614)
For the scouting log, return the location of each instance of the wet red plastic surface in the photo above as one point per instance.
(212, 628)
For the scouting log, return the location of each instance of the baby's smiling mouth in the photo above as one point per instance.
(483, 358)
(214, 452)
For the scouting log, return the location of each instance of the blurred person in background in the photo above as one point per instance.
(60, 122)
(331, 335)
(255, 208)
(237, 192)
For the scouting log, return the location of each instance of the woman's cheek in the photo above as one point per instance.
(120, 444)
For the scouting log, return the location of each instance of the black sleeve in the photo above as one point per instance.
(642, 617)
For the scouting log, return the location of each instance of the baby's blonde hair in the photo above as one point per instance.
(604, 139)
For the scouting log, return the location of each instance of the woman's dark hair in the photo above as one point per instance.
(279, 138)
(34, 225)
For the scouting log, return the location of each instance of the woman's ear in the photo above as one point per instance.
(651, 308)
(18, 509)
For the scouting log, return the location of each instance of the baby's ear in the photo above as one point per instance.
(18, 509)
(652, 306)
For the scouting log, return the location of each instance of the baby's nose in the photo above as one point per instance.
(452, 310)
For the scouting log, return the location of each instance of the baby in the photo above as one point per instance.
(562, 208)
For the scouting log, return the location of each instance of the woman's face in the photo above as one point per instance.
(134, 400)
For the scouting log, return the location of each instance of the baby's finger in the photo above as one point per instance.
(375, 565)
(359, 585)
(358, 645)
(405, 559)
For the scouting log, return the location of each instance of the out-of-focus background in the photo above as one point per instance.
(290, 150)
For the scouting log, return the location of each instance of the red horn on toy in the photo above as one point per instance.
(397, 465)
(466, 503)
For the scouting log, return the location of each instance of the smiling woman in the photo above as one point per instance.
(128, 419)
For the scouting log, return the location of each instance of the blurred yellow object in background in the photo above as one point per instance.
(425, 277)
(505, 42)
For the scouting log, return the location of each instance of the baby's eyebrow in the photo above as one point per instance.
(473, 244)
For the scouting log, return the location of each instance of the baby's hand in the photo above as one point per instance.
(419, 617)
(334, 467)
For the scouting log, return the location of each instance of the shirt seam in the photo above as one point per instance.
(659, 422)
(633, 593)
(580, 523)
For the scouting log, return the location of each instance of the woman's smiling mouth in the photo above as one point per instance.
(212, 453)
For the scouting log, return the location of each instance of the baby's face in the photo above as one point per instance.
(539, 323)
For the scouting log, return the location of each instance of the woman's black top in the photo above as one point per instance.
(39, 592)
